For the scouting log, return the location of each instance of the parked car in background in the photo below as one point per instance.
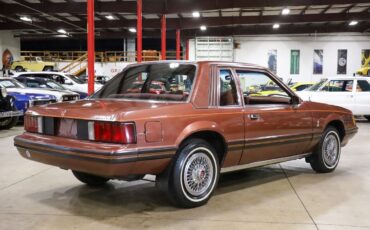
(46, 83)
(352, 93)
(33, 64)
(299, 86)
(23, 97)
(13, 85)
(205, 123)
(69, 81)
(9, 114)
(100, 79)
(273, 89)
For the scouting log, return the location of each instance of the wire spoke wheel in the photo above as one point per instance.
(198, 174)
(330, 150)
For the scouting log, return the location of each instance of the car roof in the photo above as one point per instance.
(40, 72)
(222, 63)
(347, 78)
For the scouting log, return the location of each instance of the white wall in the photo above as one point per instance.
(109, 69)
(8, 41)
(254, 49)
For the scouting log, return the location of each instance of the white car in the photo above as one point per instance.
(69, 81)
(14, 86)
(352, 93)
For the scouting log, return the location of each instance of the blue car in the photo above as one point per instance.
(23, 97)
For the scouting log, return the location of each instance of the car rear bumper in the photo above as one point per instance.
(111, 161)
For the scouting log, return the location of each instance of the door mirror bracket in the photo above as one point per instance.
(295, 101)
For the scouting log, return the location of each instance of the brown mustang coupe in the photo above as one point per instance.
(211, 117)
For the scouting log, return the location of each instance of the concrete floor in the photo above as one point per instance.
(284, 196)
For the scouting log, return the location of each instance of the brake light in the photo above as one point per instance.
(112, 132)
(33, 124)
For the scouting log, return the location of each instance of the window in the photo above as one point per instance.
(163, 82)
(338, 86)
(259, 88)
(363, 86)
(228, 90)
(302, 87)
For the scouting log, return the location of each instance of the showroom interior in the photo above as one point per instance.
(112, 110)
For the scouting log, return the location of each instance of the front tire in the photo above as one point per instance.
(89, 179)
(8, 123)
(325, 157)
(193, 175)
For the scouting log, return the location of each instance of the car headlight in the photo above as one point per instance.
(3, 92)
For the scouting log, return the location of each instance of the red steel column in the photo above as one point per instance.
(187, 50)
(164, 50)
(90, 45)
(139, 31)
(178, 45)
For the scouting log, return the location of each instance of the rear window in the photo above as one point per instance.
(160, 81)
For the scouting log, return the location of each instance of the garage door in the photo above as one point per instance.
(214, 48)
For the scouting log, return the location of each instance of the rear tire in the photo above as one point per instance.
(89, 179)
(326, 155)
(193, 175)
(19, 69)
(48, 68)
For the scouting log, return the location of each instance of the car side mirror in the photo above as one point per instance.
(295, 100)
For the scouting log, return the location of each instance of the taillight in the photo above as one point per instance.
(33, 124)
(112, 132)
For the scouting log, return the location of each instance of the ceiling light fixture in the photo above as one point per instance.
(132, 30)
(353, 23)
(203, 28)
(276, 26)
(196, 14)
(62, 31)
(109, 17)
(285, 11)
(26, 19)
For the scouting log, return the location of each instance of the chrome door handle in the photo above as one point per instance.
(254, 116)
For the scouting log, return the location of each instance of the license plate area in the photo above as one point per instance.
(67, 128)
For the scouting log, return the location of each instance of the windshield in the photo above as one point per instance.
(11, 83)
(54, 85)
(75, 79)
(316, 86)
(160, 81)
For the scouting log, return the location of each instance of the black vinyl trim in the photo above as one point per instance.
(107, 161)
(248, 144)
(104, 153)
(48, 124)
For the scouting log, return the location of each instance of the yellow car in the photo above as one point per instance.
(364, 71)
(299, 86)
(34, 64)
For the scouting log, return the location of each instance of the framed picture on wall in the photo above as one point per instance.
(342, 62)
(318, 61)
(294, 61)
(272, 60)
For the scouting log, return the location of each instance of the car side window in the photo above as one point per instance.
(228, 89)
(259, 88)
(363, 86)
(338, 86)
